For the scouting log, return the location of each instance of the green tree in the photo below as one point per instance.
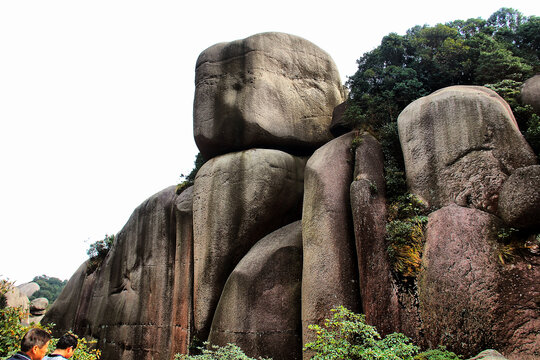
(49, 287)
(97, 252)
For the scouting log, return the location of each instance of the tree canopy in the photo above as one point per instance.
(500, 53)
(471, 52)
(49, 287)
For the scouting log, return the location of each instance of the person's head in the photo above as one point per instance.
(35, 342)
(67, 345)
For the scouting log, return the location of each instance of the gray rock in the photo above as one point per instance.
(459, 145)
(270, 90)
(489, 355)
(519, 201)
(259, 309)
(469, 299)
(530, 93)
(16, 299)
(39, 306)
(330, 273)
(238, 199)
(29, 288)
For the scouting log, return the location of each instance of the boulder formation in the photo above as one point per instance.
(285, 222)
(329, 275)
(29, 288)
(259, 309)
(238, 199)
(530, 93)
(460, 144)
(270, 90)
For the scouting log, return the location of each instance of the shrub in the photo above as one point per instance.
(86, 349)
(347, 336)
(214, 352)
(437, 354)
(407, 219)
(98, 251)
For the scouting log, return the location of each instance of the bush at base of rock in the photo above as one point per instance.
(229, 351)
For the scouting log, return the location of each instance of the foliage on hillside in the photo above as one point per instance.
(500, 52)
(49, 288)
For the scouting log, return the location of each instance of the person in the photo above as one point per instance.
(34, 345)
(65, 347)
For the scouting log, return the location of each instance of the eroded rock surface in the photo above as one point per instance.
(469, 300)
(519, 202)
(460, 144)
(530, 93)
(238, 199)
(367, 191)
(270, 90)
(330, 273)
(131, 302)
(29, 288)
(259, 309)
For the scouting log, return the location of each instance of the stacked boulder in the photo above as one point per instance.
(465, 156)
(285, 222)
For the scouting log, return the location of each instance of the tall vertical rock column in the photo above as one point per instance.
(330, 272)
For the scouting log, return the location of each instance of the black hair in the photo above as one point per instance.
(34, 337)
(66, 341)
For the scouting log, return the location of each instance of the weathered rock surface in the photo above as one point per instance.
(489, 355)
(270, 90)
(15, 298)
(29, 288)
(128, 303)
(339, 126)
(330, 271)
(519, 201)
(367, 191)
(530, 93)
(38, 306)
(259, 309)
(469, 300)
(238, 199)
(460, 144)
(69, 310)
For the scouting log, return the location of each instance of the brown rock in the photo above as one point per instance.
(530, 93)
(270, 90)
(259, 309)
(379, 300)
(138, 300)
(330, 273)
(238, 199)
(519, 201)
(489, 355)
(469, 300)
(459, 146)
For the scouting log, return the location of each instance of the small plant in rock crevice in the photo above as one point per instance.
(515, 242)
(407, 219)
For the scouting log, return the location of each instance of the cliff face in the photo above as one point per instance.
(285, 222)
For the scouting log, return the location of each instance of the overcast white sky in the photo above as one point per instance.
(96, 102)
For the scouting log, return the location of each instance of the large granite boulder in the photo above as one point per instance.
(259, 309)
(459, 145)
(270, 90)
(469, 300)
(519, 201)
(238, 199)
(39, 306)
(530, 93)
(137, 301)
(330, 269)
(69, 310)
(29, 288)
